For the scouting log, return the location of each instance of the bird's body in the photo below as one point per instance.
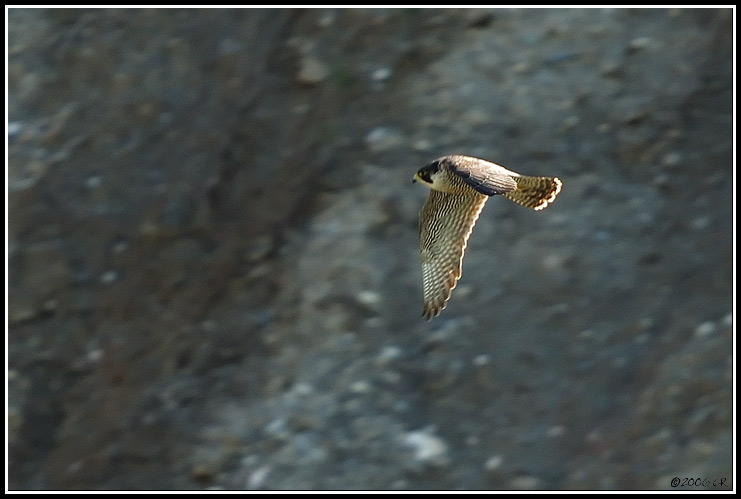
(459, 188)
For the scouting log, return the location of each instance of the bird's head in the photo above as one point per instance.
(430, 175)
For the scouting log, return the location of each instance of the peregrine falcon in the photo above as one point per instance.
(459, 188)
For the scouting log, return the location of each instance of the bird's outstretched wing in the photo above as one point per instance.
(485, 177)
(445, 222)
(490, 179)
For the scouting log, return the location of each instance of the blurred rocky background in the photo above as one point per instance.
(213, 265)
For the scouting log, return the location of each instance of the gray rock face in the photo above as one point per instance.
(213, 264)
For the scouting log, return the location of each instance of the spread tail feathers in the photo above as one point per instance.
(535, 192)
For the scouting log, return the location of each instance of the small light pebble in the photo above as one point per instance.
(571, 121)
(661, 180)
(700, 223)
(277, 428)
(494, 468)
(368, 297)
(428, 448)
(312, 71)
(602, 235)
(553, 261)
(209, 326)
(481, 360)
(647, 323)
(94, 355)
(74, 467)
(109, 276)
(705, 329)
(14, 128)
(360, 387)
(464, 290)
(388, 354)
(19, 185)
(381, 74)
(639, 43)
(671, 159)
(521, 68)
(302, 389)
(93, 182)
(257, 477)
(494, 463)
(525, 483)
(611, 69)
(120, 247)
(50, 305)
(642, 338)
(555, 431)
(422, 145)
(586, 334)
(383, 138)
(202, 473)
(728, 320)
(327, 19)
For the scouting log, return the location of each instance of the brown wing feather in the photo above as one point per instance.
(535, 192)
(446, 222)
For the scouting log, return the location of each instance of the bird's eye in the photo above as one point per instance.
(425, 175)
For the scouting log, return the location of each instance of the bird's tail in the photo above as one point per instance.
(535, 192)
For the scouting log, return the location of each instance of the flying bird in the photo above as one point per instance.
(459, 188)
